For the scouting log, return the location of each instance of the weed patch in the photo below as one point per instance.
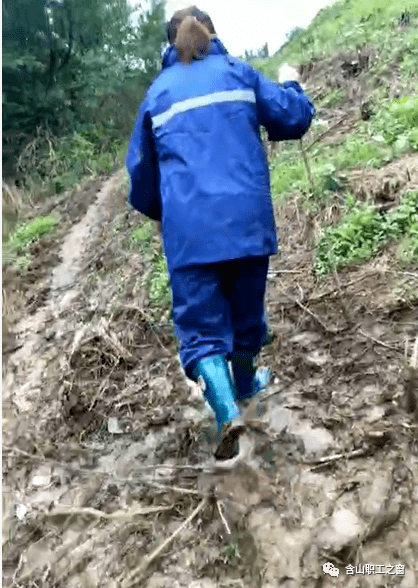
(287, 176)
(16, 248)
(141, 237)
(397, 123)
(157, 281)
(31, 232)
(364, 230)
(159, 286)
(331, 99)
(51, 165)
(327, 165)
(361, 151)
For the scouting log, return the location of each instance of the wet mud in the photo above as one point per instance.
(107, 448)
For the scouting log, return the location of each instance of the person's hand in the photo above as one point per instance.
(287, 73)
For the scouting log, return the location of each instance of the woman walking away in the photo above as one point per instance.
(198, 167)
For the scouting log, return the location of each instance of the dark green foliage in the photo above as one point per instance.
(75, 66)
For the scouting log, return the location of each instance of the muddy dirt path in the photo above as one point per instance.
(106, 446)
(25, 364)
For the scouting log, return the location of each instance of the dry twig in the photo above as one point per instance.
(414, 356)
(118, 515)
(336, 290)
(139, 571)
(283, 271)
(322, 135)
(308, 169)
(379, 342)
(313, 315)
(221, 514)
(332, 458)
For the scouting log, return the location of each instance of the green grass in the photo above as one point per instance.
(391, 132)
(16, 248)
(328, 164)
(359, 151)
(32, 231)
(331, 98)
(397, 123)
(349, 23)
(141, 237)
(287, 176)
(407, 251)
(363, 231)
(156, 281)
(159, 284)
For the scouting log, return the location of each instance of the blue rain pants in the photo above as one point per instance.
(219, 308)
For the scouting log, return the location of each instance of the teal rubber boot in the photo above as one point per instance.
(218, 388)
(248, 380)
(219, 391)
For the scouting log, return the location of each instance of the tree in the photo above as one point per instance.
(294, 33)
(65, 60)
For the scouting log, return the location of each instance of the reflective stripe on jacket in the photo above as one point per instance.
(196, 159)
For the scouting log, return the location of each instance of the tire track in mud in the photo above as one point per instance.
(27, 365)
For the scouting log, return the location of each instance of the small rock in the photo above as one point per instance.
(317, 358)
(373, 498)
(42, 476)
(315, 440)
(113, 426)
(305, 339)
(376, 414)
(279, 419)
(20, 511)
(343, 528)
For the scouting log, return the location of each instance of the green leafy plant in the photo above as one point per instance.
(286, 176)
(360, 151)
(407, 251)
(32, 231)
(142, 236)
(159, 285)
(397, 123)
(230, 554)
(332, 98)
(16, 247)
(363, 230)
(401, 218)
(355, 239)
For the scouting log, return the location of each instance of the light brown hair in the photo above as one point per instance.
(191, 31)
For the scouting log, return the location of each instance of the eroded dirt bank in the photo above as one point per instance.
(105, 445)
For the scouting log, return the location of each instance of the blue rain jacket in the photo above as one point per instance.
(197, 161)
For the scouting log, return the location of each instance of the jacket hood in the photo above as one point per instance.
(171, 56)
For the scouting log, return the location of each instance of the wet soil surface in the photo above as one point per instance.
(107, 448)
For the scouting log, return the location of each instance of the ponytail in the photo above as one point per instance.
(192, 39)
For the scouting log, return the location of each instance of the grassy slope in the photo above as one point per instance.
(391, 132)
(348, 24)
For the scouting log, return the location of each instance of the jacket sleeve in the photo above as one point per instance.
(283, 109)
(142, 165)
